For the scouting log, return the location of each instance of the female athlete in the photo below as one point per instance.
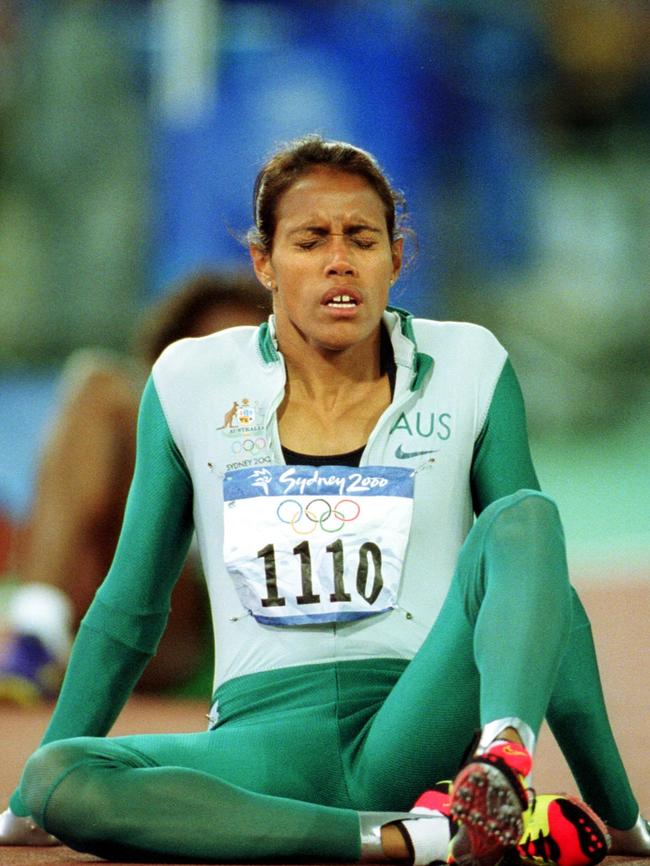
(385, 579)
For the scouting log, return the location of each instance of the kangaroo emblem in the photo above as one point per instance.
(228, 417)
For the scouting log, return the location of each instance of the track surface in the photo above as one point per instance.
(619, 616)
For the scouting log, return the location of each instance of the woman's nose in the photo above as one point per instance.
(339, 259)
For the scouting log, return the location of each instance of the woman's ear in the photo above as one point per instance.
(262, 266)
(397, 248)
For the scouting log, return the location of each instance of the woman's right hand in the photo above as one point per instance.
(22, 831)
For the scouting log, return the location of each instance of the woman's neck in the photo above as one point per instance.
(320, 373)
(333, 399)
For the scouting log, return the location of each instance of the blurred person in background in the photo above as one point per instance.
(82, 482)
(339, 693)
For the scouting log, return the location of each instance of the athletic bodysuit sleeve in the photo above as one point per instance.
(125, 622)
(502, 463)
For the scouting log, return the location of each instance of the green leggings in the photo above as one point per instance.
(298, 752)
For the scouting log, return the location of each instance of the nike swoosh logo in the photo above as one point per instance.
(406, 455)
(514, 750)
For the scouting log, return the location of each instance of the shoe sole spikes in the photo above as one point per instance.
(489, 811)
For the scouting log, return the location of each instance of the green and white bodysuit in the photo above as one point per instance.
(367, 618)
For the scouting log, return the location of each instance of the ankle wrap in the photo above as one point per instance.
(427, 837)
(370, 824)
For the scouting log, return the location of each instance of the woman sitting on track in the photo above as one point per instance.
(332, 462)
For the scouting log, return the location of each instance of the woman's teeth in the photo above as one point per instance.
(341, 301)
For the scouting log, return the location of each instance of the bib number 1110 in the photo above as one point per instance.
(369, 554)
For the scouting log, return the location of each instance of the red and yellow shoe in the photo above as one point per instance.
(484, 803)
(488, 800)
(563, 830)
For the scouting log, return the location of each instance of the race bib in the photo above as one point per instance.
(307, 544)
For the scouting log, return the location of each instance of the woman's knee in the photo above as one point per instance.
(519, 521)
(517, 541)
(43, 771)
(48, 767)
(532, 503)
(527, 515)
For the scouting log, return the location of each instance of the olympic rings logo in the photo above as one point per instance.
(318, 513)
(249, 445)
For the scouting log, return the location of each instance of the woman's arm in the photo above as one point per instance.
(502, 463)
(121, 630)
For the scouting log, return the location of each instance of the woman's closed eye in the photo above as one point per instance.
(364, 243)
(360, 241)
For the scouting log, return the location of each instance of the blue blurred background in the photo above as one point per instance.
(131, 132)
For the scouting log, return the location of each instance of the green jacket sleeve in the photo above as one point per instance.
(502, 463)
(126, 620)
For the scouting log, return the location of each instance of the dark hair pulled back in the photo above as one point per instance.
(300, 156)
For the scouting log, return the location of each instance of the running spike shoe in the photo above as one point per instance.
(559, 830)
(563, 830)
(437, 799)
(488, 800)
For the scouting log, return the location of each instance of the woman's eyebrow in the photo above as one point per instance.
(320, 230)
(361, 227)
(313, 229)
